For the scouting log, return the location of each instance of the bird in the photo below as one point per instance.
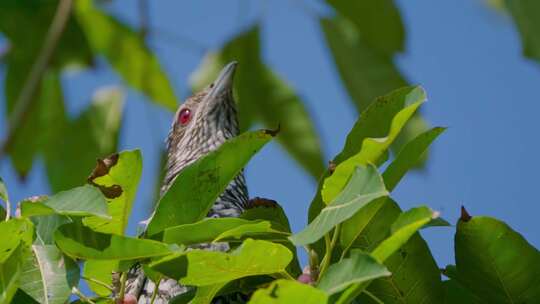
(200, 125)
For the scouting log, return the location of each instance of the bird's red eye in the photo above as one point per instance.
(184, 117)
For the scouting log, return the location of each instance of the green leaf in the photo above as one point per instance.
(358, 268)
(118, 177)
(364, 186)
(81, 201)
(527, 18)
(365, 71)
(10, 271)
(46, 225)
(495, 262)
(409, 157)
(405, 226)
(415, 274)
(82, 242)
(69, 158)
(285, 291)
(375, 123)
(202, 268)
(454, 293)
(100, 270)
(14, 232)
(372, 150)
(23, 297)
(197, 187)
(377, 22)
(127, 53)
(47, 275)
(3, 191)
(276, 102)
(221, 229)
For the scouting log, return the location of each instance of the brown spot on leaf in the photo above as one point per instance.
(331, 167)
(111, 192)
(273, 133)
(103, 166)
(465, 216)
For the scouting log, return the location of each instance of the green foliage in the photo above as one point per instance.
(526, 16)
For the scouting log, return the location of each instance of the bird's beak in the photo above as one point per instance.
(224, 82)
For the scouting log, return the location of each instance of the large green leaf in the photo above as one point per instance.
(415, 275)
(47, 275)
(81, 201)
(219, 229)
(82, 242)
(364, 186)
(495, 262)
(375, 122)
(408, 157)
(10, 271)
(358, 268)
(46, 225)
(526, 14)
(197, 187)
(70, 158)
(377, 22)
(202, 268)
(126, 52)
(118, 177)
(266, 97)
(371, 152)
(14, 232)
(455, 293)
(99, 270)
(284, 291)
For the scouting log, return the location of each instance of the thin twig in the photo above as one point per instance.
(98, 282)
(81, 296)
(373, 297)
(23, 103)
(8, 209)
(330, 244)
(156, 290)
(144, 17)
(123, 279)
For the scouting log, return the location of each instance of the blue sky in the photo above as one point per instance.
(466, 56)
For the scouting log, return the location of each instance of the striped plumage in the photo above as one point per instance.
(211, 121)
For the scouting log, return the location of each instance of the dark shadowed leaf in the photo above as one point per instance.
(264, 96)
(82, 242)
(47, 275)
(526, 15)
(81, 201)
(70, 157)
(377, 22)
(364, 186)
(284, 291)
(197, 187)
(126, 52)
(408, 157)
(495, 262)
(23, 297)
(118, 177)
(358, 268)
(202, 268)
(454, 293)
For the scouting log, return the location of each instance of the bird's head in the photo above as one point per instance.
(201, 124)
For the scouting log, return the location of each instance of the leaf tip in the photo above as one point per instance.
(465, 216)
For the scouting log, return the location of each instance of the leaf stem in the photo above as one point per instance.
(330, 244)
(81, 296)
(24, 101)
(123, 279)
(285, 275)
(372, 296)
(98, 282)
(156, 290)
(8, 209)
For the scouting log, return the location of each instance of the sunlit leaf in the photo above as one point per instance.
(364, 186)
(118, 177)
(10, 271)
(495, 262)
(100, 270)
(3, 191)
(197, 187)
(358, 268)
(70, 158)
(284, 291)
(81, 201)
(47, 275)
(372, 150)
(82, 242)
(126, 52)
(408, 157)
(14, 232)
(202, 268)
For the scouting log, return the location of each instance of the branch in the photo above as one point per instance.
(24, 102)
